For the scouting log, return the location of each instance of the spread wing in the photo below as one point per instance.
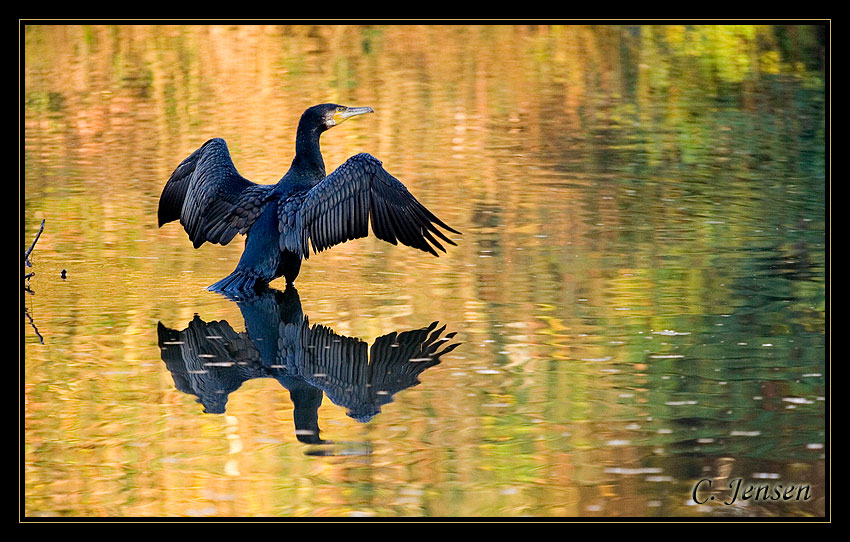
(209, 360)
(397, 359)
(210, 198)
(340, 207)
(363, 382)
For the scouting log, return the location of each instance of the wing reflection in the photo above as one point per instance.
(211, 360)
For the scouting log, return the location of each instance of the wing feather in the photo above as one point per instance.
(210, 198)
(340, 208)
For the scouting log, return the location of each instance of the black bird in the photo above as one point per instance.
(304, 209)
(211, 360)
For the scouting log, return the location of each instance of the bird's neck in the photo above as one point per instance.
(308, 155)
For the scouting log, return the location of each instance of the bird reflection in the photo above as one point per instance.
(211, 360)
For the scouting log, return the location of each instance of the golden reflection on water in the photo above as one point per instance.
(638, 288)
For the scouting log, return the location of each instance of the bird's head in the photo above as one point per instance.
(326, 116)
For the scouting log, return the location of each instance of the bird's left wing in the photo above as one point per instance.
(211, 199)
(340, 207)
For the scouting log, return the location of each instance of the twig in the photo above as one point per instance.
(27, 277)
(32, 323)
(32, 246)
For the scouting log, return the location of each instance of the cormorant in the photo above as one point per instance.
(304, 209)
(211, 360)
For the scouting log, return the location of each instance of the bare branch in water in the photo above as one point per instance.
(32, 246)
(32, 323)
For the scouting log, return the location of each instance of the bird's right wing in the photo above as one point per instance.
(211, 199)
(397, 359)
(360, 380)
(340, 207)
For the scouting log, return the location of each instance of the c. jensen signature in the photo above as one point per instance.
(755, 492)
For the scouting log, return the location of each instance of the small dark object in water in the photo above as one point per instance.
(62, 274)
(306, 208)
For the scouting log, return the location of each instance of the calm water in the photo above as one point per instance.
(637, 302)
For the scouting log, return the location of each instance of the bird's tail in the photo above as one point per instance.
(238, 282)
